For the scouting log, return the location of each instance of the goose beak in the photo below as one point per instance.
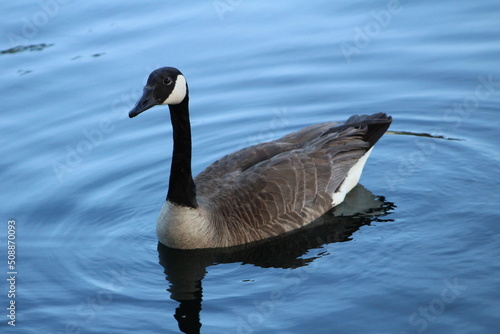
(145, 102)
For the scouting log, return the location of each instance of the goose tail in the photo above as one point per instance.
(377, 125)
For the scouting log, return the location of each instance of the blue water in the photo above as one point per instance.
(85, 184)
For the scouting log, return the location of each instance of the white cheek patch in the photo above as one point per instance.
(179, 92)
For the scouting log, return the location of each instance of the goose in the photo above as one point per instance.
(261, 191)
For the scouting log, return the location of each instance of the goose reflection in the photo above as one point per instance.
(185, 269)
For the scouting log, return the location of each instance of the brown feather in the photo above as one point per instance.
(274, 187)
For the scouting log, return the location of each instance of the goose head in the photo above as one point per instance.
(165, 85)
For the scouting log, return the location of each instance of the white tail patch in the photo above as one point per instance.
(351, 179)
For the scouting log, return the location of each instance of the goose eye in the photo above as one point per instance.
(168, 81)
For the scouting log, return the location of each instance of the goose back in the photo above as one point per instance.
(271, 188)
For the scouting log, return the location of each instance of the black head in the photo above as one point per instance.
(165, 85)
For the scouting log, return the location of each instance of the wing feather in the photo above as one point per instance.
(275, 187)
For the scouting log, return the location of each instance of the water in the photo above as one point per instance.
(85, 184)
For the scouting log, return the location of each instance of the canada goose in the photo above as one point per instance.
(260, 191)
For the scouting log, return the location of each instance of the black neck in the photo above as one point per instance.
(181, 190)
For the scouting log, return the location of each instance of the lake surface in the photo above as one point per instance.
(418, 246)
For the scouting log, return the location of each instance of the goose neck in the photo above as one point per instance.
(182, 190)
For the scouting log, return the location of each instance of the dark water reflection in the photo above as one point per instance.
(185, 269)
